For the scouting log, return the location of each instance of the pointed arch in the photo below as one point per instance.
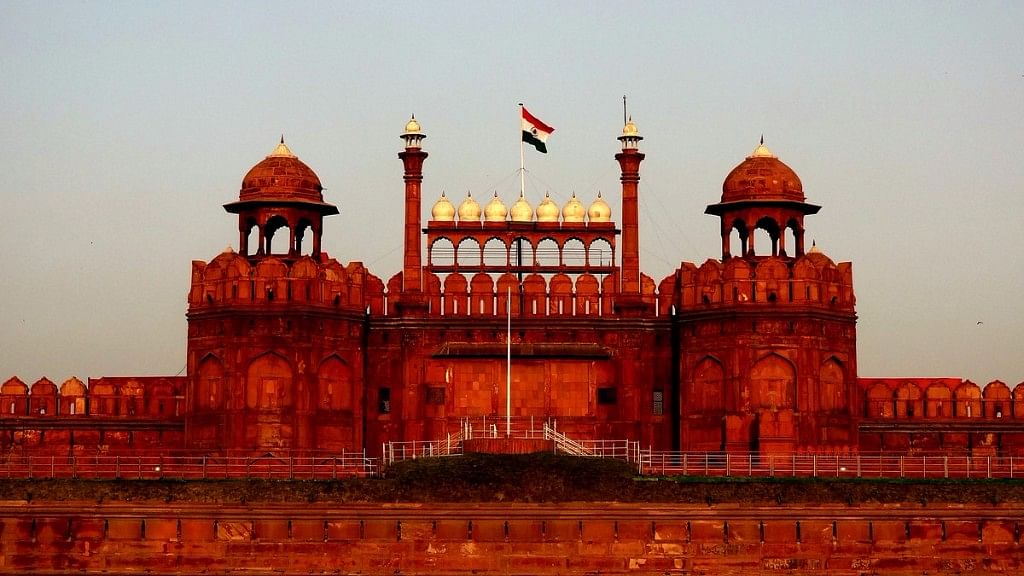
(879, 401)
(831, 386)
(773, 383)
(210, 385)
(967, 400)
(334, 384)
(908, 401)
(269, 383)
(706, 390)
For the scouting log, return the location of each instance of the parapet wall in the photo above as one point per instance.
(509, 539)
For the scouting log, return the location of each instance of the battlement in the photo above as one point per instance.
(810, 280)
(128, 396)
(231, 279)
(536, 295)
(940, 398)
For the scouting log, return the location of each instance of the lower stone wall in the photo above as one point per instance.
(86, 538)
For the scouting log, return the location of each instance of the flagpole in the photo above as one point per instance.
(522, 155)
(508, 365)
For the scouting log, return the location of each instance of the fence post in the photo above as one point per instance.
(988, 466)
(684, 465)
(706, 464)
(1011, 466)
(204, 466)
(945, 466)
(51, 467)
(901, 466)
(771, 466)
(968, 466)
(750, 464)
(814, 465)
(858, 465)
(728, 464)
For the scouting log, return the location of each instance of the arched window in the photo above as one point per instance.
(442, 253)
(574, 253)
(600, 253)
(495, 253)
(468, 253)
(547, 252)
(277, 235)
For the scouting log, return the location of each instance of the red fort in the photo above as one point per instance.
(290, 350)
(292, 353)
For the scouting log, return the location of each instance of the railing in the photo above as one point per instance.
(516, 428)
(828, 466)
(565, 444)
(152, 467)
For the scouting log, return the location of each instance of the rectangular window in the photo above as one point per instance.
(384, 401)
(658, 402)
(435, 395)
(606, 396)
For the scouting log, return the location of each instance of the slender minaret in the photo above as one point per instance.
(629, 160)
(412, 158)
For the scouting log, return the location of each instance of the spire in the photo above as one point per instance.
(281, 151)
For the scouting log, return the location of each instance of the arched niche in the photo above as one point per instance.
(967, 401)
(268, 384)
(831, 387)
(908, 401)
(938, 401)
(210, 384)
(879, 401)
(997, 400)
(334, 385)
(773, 384)
(706, 390)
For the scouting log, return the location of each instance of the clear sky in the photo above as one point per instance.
(127, 125)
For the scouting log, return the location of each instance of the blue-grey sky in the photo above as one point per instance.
(127, 125)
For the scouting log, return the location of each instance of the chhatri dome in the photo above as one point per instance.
(762, 176)
(495, 210)
(281, 176)
(469, 210)
(573, 210)
(522, 211)
(547, 210)
(443, 211)
(599, 210)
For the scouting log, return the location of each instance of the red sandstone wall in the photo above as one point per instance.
(512, 539)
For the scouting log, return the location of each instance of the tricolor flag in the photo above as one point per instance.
(534, 131)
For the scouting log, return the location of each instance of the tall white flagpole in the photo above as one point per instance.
(522, 155)
(508, 365)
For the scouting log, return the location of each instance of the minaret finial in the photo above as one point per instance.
(762, 138)
(282, 138)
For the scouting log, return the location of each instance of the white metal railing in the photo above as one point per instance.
(877, 465)
(565, 444)
(150, 466)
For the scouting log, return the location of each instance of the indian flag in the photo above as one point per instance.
(534, 131)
